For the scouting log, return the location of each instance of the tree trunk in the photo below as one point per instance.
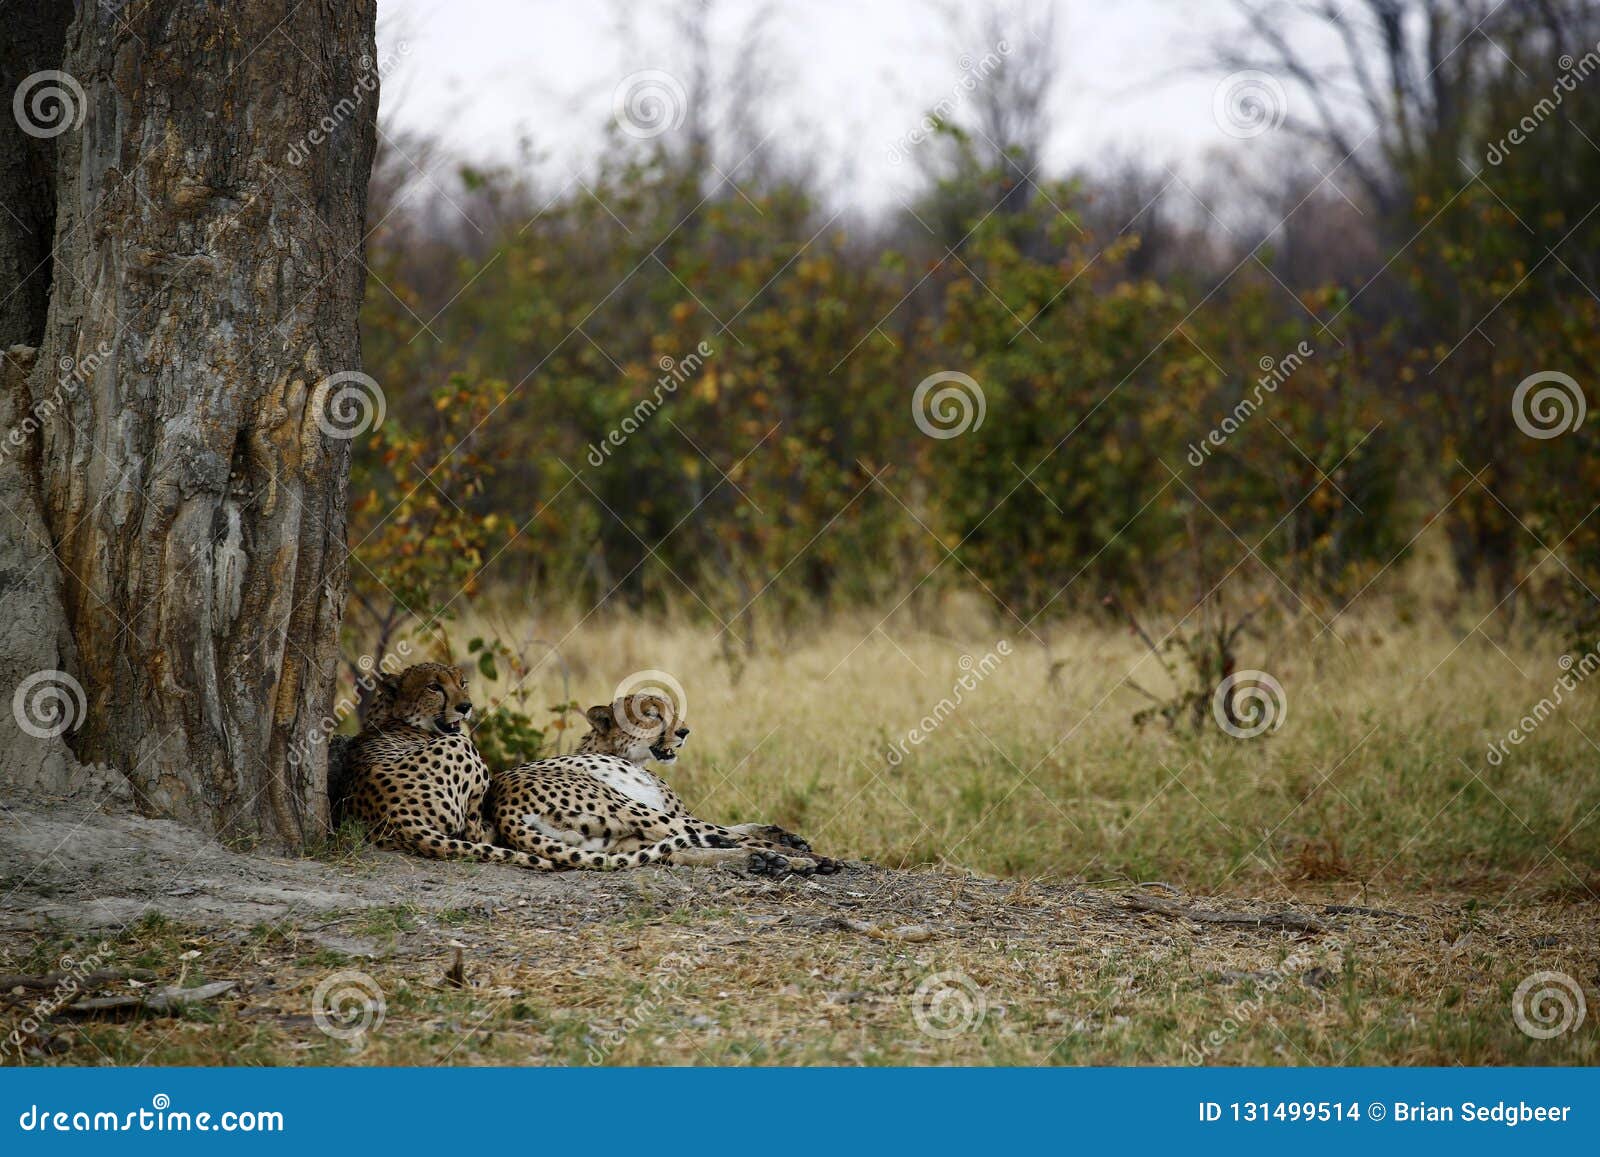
(206, 278)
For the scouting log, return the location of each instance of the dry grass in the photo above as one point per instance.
(1377, 783)
(1375, 792)
(878, 968)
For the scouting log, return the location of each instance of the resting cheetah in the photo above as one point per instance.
(419, 784)
(603, 799)
(642, 727)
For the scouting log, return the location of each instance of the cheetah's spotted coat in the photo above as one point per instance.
(419, 783)
(603, 798)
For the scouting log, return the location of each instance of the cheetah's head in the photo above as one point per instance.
(637, 728)
(432, 696)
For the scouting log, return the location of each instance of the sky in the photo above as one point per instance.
(851, 79)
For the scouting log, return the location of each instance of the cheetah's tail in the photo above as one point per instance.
(565, 856)
(434, 845)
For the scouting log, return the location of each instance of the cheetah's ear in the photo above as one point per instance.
(388, 683)
(600, 717)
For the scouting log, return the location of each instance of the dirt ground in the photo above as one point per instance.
(374, 957)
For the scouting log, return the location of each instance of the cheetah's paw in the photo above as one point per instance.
(763, 863)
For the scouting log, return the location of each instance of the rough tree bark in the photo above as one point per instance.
(173, 492)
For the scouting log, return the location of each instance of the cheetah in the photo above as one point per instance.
(647, 726)
(604, 799)
(419, 785)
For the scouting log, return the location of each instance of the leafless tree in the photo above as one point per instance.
(1392, 88)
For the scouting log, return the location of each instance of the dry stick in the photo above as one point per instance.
(93, 979)
(1114, 603)
(163, 1000)
(1358, 910)
(1292, 920)
(456, 975)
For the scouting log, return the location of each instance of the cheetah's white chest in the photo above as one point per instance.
(634, 782)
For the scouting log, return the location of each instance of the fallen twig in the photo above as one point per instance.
(1297, 921)
(456, 975)
(57, 979)
(1358, 910)
(161, 1000)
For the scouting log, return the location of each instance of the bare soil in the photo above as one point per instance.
(479, 963)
